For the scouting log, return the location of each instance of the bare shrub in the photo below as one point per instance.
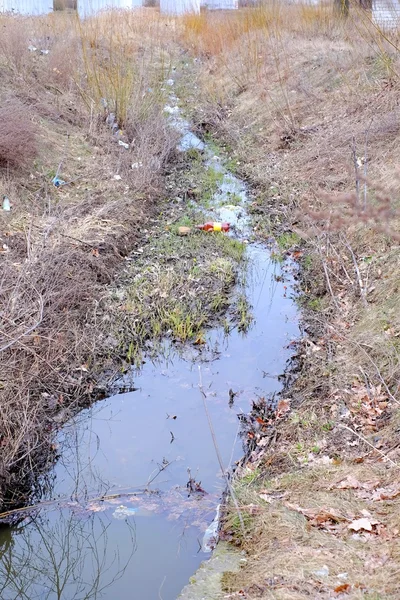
(18, 140)
(14, 43)
(153, 141)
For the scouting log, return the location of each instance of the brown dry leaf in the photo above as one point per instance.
(318, 517)
(95, 252)
(344, 587)
(385, 494)
(366, 404)
(350, 483)
(375, 562)
(329, 514)
(283, 407)
(365, 523)
(266, 497)
(184, 230)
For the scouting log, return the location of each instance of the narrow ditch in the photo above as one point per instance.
(138, 482)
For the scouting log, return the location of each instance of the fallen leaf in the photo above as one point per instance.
(95, 252)
(184, 230)
(321, 517)
(266, 498)
(364, 523)
(283, 407)
(385, 494)
(351, 483)
(344, 587)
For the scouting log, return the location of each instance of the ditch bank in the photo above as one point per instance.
(320, 487)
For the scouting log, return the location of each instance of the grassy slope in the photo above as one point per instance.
(294, 94)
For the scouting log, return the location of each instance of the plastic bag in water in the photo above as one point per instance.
(211, 537)
(122, 512)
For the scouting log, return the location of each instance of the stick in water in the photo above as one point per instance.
(214, 439)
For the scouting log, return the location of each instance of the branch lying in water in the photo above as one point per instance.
(221, 464)
(49, 503)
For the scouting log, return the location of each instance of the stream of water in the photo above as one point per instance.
(136, 545)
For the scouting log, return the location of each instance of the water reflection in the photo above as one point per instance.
(63, 555)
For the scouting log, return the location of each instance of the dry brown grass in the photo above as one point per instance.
(289, 550)
(295, 94)
(62, 247)
(18, 134)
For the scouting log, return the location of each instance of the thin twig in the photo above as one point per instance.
(357, 270)
(49, 503)
(356, 169)
(160, 470)
(361, 437)
(30, 329)
(221, 464)
(161, 587)
(328, 281)
(366, 165)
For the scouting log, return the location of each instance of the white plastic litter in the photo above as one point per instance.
(123, 512)
(211, 537)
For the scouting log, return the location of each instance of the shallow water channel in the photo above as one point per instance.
(145, 546)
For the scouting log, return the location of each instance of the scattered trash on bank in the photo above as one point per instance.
(6, 204)
(214, 226)
(123, 144)
(43, 51)
(211, 537)
(57, 182)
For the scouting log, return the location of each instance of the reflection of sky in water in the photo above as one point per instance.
(125, 441)
(65, 556)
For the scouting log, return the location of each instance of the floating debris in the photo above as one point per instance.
(211, 537)
(214, 226)
(124, 512)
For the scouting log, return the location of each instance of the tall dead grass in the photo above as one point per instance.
(60, 247)
(18, 134)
